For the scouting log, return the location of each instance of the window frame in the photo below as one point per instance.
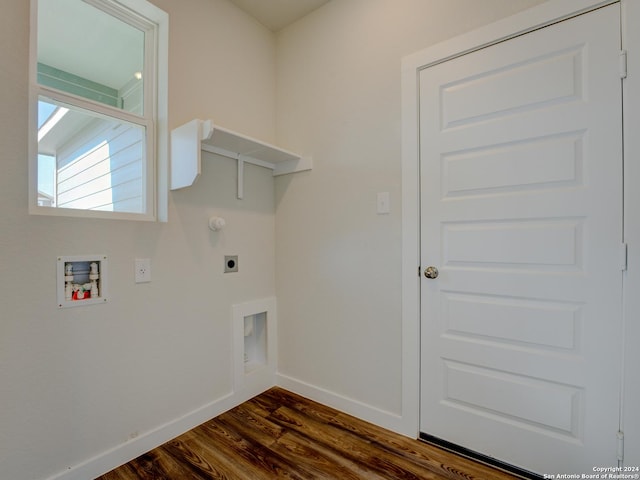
(155, 23)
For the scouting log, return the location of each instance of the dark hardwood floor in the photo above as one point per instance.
(282, 435)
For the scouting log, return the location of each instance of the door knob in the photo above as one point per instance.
(431, 272)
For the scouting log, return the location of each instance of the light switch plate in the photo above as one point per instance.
(384, 203)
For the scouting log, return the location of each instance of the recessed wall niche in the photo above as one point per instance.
(254, 332)
(82, 280)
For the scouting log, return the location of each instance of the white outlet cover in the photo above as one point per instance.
(143, 270)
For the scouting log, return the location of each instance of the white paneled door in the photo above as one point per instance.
(521, 214)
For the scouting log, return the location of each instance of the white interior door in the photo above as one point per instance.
(521, 213)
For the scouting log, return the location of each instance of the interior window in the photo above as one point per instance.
(95, 88)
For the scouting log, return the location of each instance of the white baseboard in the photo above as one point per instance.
(121, 454)
(382, 418)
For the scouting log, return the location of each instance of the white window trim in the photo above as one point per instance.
(157, 149)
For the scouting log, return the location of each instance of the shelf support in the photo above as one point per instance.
(240, 177)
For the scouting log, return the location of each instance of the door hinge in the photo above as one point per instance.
(620, 449)
(623, 257)
(623, 63)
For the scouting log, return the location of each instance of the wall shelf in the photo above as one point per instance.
(188, 141)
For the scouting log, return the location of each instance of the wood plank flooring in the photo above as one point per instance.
(279, 434)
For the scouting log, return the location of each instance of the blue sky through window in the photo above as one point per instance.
(46, 163)
(45, 110)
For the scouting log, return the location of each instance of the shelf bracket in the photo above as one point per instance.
(240, 193)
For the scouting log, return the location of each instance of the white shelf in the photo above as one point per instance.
(188, 141)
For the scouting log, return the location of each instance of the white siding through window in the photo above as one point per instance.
(103, 168)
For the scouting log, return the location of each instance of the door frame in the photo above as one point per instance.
(537, 17)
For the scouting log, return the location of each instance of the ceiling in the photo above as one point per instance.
(277, 14)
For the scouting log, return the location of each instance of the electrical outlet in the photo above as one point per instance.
(143, 270)
(230, 263)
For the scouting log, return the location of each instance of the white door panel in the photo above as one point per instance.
(521, 212)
